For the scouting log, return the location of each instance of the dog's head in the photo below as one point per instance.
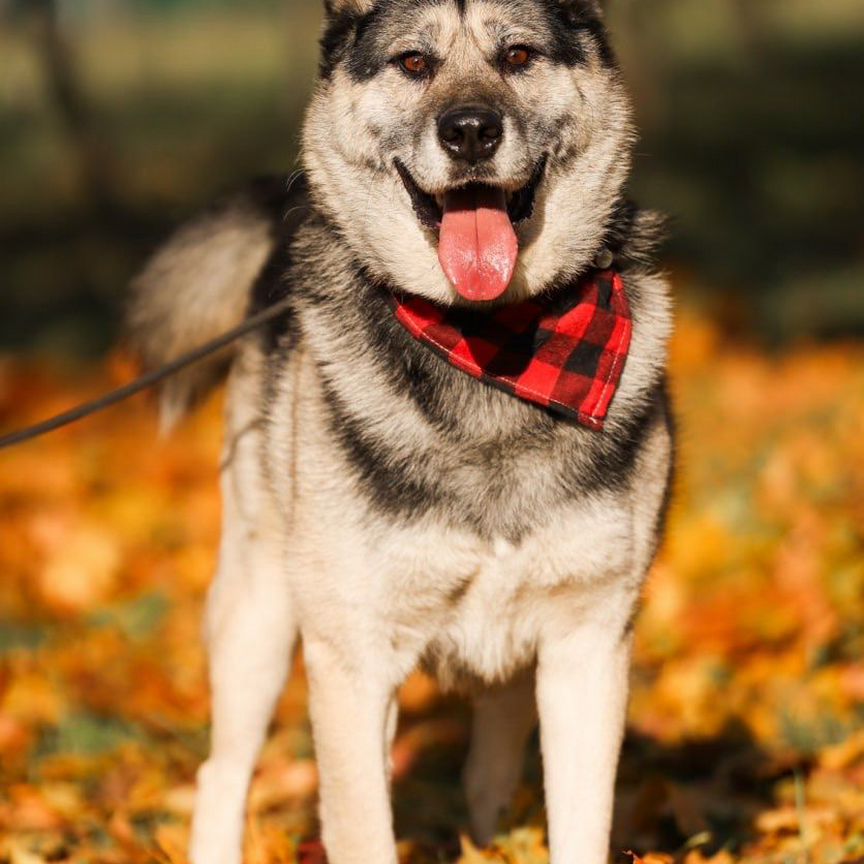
(471, 149)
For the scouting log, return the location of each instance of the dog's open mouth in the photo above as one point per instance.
(477, 243)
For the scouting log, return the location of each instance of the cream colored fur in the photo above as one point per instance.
(524, 597)
(369, 601)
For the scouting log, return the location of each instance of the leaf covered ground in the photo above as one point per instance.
(746, 738)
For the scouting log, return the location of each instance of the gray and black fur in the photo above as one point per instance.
(342, 428)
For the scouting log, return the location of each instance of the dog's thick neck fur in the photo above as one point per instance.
(417, 434)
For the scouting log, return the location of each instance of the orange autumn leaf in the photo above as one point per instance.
(747, 675)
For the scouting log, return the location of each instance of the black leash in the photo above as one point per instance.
(145, 381)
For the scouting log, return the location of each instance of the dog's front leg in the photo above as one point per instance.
(350, 699)
(582, 687)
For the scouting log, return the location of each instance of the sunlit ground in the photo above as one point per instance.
(746, 736)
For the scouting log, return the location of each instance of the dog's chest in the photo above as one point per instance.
(476, 609)
(417, 437)
(487, 631)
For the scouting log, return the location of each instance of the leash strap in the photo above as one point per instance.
(145, 382)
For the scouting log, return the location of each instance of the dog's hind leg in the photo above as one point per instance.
(251, 631)
(390, 727)
(503, 720)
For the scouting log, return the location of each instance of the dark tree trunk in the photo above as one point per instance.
(64, 86)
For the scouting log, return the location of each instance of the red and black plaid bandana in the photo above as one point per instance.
(566, 354)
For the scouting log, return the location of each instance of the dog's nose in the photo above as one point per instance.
(471, 132)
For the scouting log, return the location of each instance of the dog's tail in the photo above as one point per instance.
(198, 286)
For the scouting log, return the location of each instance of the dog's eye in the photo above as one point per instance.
(415, 64)
(518, 57)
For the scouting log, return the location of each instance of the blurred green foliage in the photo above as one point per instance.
(751, 110)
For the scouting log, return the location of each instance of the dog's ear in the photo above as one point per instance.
(335, 8)
(579, 11)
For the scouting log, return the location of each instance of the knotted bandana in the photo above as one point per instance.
(566, 354)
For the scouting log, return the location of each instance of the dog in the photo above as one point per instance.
(404, 485)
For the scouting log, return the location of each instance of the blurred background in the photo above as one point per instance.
(118, 117)
(746, 736)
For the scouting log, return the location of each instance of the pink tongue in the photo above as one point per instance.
(477, 246)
